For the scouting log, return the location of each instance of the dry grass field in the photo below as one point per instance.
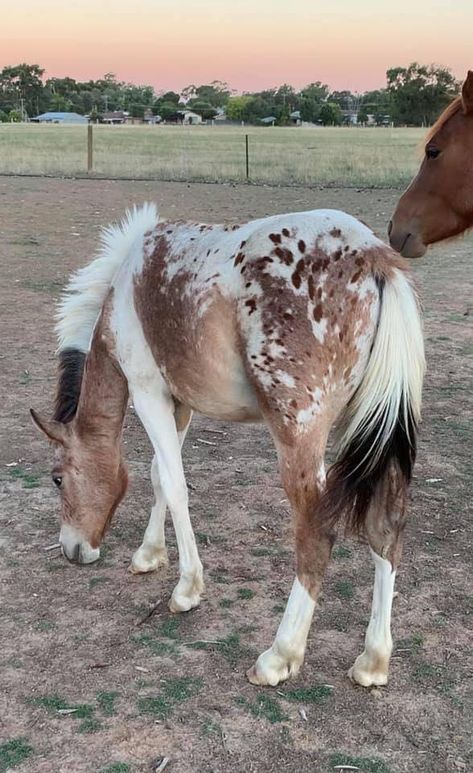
(349, 156)
(96, 675)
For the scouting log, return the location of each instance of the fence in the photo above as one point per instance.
(307, 156)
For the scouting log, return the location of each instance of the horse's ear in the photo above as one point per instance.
(467, 93)
(54, 430)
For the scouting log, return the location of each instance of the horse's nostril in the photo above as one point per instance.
(76, 556)
(390, 227)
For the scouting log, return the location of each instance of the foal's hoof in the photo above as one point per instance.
(369, 672)
(186, 595)
(271, 668)
(148, 560)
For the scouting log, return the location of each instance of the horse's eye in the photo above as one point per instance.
(57, 480)
(431, 152)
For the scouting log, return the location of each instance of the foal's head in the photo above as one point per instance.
(91, 477)
(439, 202)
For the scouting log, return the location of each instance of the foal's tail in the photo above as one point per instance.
(377, 432)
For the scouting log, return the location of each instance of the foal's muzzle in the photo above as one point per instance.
(75, 547)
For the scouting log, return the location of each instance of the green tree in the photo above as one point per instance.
(21, 89)
(420, 92)
(238, 108)
(330, 114)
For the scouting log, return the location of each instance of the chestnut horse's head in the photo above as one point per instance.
(439, 202)
(92, 479)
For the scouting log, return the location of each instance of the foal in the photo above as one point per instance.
(439, 201)
(298, 320)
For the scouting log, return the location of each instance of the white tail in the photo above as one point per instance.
(87, 289)
(391, 388)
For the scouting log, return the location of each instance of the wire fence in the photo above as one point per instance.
(272, 155)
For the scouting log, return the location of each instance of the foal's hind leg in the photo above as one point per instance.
(303, 476)
(384, 529)
(152, 553)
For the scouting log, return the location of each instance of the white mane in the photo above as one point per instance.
(87, 288)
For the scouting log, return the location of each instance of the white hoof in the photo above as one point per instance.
(273, 667)
(370, 670)
(147, 559)
(186, 595)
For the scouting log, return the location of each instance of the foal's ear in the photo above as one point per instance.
(54, 430)
(467, 93)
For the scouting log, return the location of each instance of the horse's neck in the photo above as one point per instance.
(104, 393)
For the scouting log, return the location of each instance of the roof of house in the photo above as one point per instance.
(57, 116)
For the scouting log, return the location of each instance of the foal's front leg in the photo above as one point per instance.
(303, 480)
(156, 411)
(152, 553)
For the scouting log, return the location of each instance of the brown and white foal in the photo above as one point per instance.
(299, 320)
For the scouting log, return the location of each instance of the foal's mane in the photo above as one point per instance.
(451, 110)
(82, 302)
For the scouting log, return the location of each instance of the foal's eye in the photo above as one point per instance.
(57, 480)
(431, 152)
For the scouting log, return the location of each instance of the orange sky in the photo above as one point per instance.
(252, 44)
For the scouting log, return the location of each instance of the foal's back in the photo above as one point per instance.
(277, 313)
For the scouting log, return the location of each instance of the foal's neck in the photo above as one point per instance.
(104, 391)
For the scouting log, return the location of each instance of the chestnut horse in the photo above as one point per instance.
(298, 320)
(439, 201)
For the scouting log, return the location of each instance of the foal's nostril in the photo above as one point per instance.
(390, 227)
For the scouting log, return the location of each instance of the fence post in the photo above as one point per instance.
(247, 158)
(90, 148)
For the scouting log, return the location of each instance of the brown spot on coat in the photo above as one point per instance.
(318, 312)
(275, 238)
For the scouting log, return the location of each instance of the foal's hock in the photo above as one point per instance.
(299, 320)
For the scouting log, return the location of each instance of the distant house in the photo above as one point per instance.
(60, 118)
(190, 118)
(270, 120)
(114, 117)
(295, 118)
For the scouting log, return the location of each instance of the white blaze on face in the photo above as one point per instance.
(75, 547)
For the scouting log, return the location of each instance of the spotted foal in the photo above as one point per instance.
(299, 320)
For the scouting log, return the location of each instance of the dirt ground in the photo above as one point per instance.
(87, 681)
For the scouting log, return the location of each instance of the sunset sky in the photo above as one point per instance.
(252, 44)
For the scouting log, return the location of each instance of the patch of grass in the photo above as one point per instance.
(230, 647)
(13, 753)
(90, 725)
(157, 646)
(54, 704)
(259, 552)
(309, 694)
(278, 609)
(45, 625)
(344, 589)
(427, 671)
(414, 642)
(106, 701)
(381, 157)
(25, 378)
(174, 692)
(43, 286)
(29, 479)
(225, 603)
(94, 581)
(265, 707)
(116, 767)
(369, 764)
(245, 594)
(218, 575)
(169, 628)
(210, 727)
(341, 552)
